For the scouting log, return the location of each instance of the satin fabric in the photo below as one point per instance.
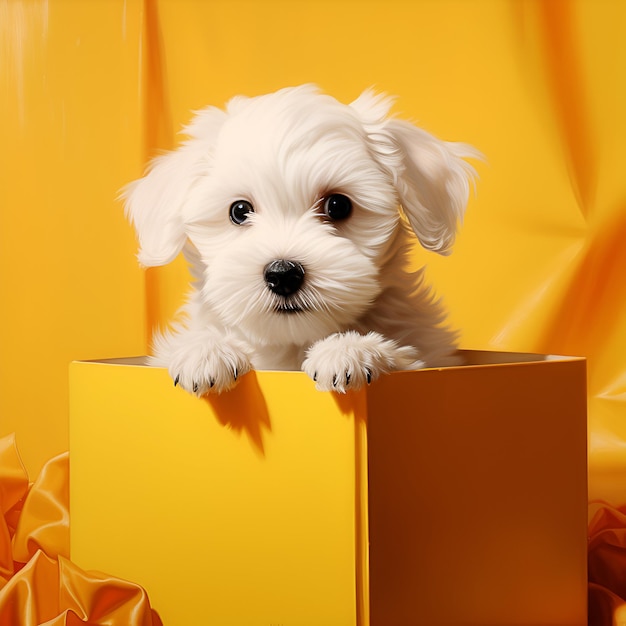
(39, 585)
(607, 572)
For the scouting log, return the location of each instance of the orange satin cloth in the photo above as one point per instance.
(39, 585)
(607, 572)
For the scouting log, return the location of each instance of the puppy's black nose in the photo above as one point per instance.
(284, 277)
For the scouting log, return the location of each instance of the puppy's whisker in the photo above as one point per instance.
(327, 300)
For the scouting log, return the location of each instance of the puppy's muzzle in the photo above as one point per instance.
(284, 277)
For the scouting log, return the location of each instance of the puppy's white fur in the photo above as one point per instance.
(360, 313)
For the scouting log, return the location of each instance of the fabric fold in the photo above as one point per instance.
(39, 585)
(607, 559)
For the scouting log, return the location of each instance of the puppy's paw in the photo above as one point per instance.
(208, 364)
(349, 360)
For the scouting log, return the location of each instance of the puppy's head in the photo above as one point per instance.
(290, 204)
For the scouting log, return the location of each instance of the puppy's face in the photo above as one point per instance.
(291, 219)
(288, 204)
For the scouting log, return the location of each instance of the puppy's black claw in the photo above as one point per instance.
(195, 387)
(235, 374)
(315, 377)
(211, 383)
(335, 380)
(368, 376)
(348, 377)
(176, 381)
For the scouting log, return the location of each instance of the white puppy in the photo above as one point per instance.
(296, 214)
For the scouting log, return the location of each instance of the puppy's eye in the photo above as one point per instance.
(240, 211)
(337, 206)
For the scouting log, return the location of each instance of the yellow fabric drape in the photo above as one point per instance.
(38, 583)
(70, 137)
(88, 91)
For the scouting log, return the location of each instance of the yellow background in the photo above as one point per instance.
(90, 90)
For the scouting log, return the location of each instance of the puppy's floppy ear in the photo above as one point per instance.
(431, 176)
(154, 203)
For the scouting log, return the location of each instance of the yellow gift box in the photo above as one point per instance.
(440, 496)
